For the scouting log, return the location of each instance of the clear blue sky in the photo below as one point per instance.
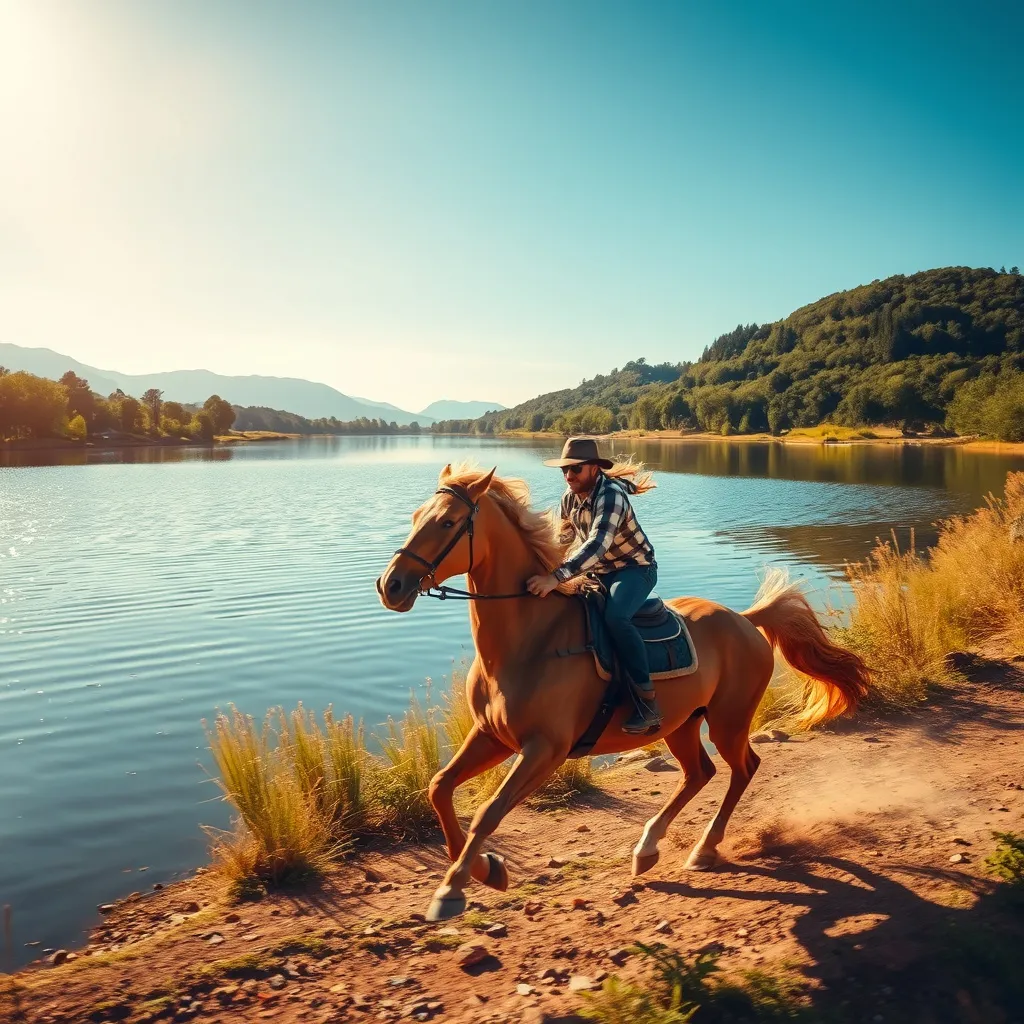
(417, 200)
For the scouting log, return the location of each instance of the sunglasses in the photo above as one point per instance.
(573, 470)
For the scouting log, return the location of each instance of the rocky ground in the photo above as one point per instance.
(855, 865)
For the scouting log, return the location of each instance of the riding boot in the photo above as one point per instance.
(646, 716)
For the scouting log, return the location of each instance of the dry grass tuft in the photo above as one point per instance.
(306, 789)
(911, 609)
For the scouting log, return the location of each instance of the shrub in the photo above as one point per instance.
(1007, 862)
(77, 428)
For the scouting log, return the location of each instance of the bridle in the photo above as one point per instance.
(442, 593)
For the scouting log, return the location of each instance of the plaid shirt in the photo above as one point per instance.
(608, 535)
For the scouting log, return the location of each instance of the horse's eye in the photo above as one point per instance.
(448, 524)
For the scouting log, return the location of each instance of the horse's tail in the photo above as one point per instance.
(836, 680)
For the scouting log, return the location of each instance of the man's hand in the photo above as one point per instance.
(541, 586)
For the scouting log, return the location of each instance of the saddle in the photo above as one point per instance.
(670, 653)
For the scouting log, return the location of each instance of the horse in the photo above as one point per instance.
(528, 703)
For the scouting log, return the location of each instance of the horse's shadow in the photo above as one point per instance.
(909, 958)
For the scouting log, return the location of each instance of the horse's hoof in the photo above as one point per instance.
(643, 862)
(497, 873)
(446, 904)
(701, 860)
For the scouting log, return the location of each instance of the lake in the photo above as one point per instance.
(141, 591)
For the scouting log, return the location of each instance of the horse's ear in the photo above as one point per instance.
(445, 474)
(478, 488)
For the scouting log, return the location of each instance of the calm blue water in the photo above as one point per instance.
(137, 597)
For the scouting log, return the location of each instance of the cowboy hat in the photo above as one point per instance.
(577, 450)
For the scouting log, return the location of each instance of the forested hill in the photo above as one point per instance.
(942, 347)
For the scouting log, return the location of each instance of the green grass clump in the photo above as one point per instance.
(680, 990)
(1007, 862)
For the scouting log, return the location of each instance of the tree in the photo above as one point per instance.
(202, 426)
(31, 406)
(176, 411)
(81, 400)
(221, 413)
(129, 413)
(645, 415)
(152, 400)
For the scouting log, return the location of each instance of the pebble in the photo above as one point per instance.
(533, 908)
(742, 932)
(524, 990)
(579, 903)
(663, 928)
(470, 953)
(277, 981)
(778, 735)
(370, 875)
(190, 908)
(625, 898)
(581, 983)
(957, 858)
(659, 764)
(105, 908)
(58, 956)
(619, 956)
(556, 862)
(761, 737)
(586, 828)
(450, 930)
(496, 931)
(960, 842)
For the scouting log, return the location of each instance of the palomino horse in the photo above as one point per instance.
(529, 703)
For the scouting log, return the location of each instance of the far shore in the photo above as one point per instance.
(823, 436)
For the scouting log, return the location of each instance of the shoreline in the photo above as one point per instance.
(836, 873)
(813, 437)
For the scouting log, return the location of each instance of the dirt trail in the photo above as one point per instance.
(838, 866)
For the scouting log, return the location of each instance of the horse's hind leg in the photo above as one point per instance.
(732, 738)
(478, 752)
(536, 762)
(698, 770)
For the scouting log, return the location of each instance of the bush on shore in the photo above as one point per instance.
(306, 789)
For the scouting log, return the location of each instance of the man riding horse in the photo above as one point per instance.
(596, 511)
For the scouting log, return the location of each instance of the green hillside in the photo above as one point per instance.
(942, 348)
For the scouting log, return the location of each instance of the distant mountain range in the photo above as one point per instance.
(307, 398)
(448, 410)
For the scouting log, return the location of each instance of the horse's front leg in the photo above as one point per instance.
(479, 751)
(536, 762)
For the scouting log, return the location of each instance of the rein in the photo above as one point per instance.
(439, 591)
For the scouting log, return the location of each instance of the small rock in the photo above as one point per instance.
(581, 983)
(579, 903)
(663, 928)
(872, 739)
(450, 930)
(533, 908)
(277, 981)
(742, 932)
(625, 898)
(960, 842)
(957, 858)
(496, 931)
(556, 862)
(232, 918)
(190, 908)
(418, 917)
(586, 828)
(549, 974)
(58, 957)
(370, 875)
(633, 755)
(215, 939)
(761, 737)
(659, 764)
(778, 736)
(105, 908)
(251, 937)
(470, 953)
(524, 990)
(619, 956)
(400, 981)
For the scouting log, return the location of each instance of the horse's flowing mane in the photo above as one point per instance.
(512, 496)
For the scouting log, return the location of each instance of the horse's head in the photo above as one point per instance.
(440, 544)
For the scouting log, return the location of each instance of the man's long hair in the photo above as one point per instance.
(631, 475)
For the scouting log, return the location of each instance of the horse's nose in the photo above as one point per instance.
(394, 586)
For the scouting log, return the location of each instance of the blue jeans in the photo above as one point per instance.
(627, 590)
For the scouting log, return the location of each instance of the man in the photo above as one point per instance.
(610, 543)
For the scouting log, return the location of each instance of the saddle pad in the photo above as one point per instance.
(670, 650)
